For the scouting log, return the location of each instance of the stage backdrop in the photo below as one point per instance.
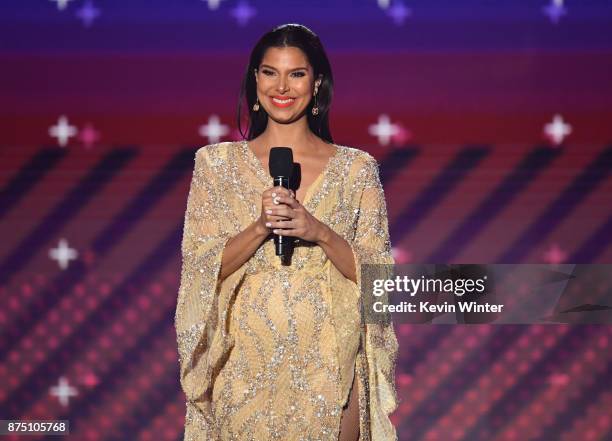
(492, 125)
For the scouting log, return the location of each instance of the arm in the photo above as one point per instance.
(371, 242)
(304, 225)
(204, 288)
(371, 245)
(241, 247)
(202, 244)
(338, 251)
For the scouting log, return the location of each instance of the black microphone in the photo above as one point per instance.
(280, 164)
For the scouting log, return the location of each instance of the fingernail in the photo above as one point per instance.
(273, 194)
(268, 224)
(268, 211)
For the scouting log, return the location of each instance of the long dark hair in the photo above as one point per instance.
(288, 35)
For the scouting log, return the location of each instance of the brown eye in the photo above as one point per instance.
(298, 74)
(267, 72)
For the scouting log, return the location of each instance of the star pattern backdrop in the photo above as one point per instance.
(491, 122)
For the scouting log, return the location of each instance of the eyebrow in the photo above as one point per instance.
(297, 68)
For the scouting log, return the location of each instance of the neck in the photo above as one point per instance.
(296, 135)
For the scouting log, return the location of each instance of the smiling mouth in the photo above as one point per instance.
(282, 102)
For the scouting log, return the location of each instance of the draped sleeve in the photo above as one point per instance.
(371, 245)
(203, 299)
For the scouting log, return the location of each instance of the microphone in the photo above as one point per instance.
(280, 164)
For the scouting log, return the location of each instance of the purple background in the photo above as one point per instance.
(470, 176)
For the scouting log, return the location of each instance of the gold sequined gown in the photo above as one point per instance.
(270, 352)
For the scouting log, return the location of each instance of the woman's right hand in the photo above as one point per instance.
(267, 202)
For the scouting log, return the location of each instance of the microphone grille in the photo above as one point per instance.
(280, 162)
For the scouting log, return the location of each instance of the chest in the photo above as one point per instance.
(307, 172)
(328, 191)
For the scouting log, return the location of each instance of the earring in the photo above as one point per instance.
(315, 108)
(256, 105)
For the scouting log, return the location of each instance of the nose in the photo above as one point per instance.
(282, 85)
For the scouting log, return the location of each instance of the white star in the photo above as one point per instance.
(243, 13)
(214, 130)
(62, 131)
(555, 10)
(63, 391)
(61, 4)
(383, 129)
(383, 4)
(213, 4)
(63, 254)
(557, 130)
(399, 12)
(88, 13)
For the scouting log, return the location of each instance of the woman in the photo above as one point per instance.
(269, 350)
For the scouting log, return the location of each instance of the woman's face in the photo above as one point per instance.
(285, 83)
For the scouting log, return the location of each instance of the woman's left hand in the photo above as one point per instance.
(300, 223)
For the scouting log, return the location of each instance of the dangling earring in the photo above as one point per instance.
(256, 105)
(315, 108)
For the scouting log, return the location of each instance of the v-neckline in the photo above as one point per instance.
(266, 179)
